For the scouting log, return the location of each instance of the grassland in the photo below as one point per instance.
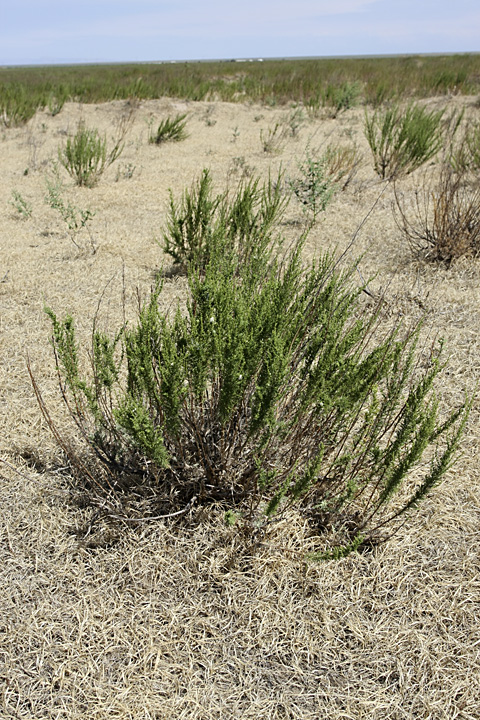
(175, 619)
(314, 83)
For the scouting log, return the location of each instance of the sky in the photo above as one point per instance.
(78, 31)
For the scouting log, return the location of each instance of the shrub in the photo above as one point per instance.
(444, 222)
(342, 97)
(341, 164)
(267, 394)
(401, 141)
(315, 187)
(85, 156)
(170, 130)
(244, 220)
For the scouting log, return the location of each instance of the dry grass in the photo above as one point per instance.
(178, 620)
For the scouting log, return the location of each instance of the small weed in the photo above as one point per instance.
(208, 116)
(74, 218)
(240, 165)
(341, 164)
(125, 172)
(170, 130)
(273, 139)
(22, 206)
(295, 121)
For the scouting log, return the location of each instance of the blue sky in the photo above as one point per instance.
(60, 31)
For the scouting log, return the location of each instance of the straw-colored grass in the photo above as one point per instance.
(177, 620)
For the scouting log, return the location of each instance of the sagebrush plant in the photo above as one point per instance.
(443, 222)
(401, 140)
(272, 391)
(244, 217)
(85, 156)
(316, 185)
(170, 130)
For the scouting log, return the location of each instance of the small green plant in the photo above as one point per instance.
(315, 187)
(443, 223)
(403, 140)
(85, 156)
(74, 218)
(125, 172)
(244, 220)
(273, 391)
(22, 206)
(170, 130)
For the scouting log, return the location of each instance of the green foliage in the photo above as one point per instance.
(18, 104)
(244, 220)
(85, 156)
(22, 206)
(403, 140)
(272, 390)
(170, 130)
(315, 187)
(342, 97)
(311, 82)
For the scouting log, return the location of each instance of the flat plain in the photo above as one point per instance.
(173, 620)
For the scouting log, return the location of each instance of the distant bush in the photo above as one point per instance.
(85, 156)
(342, 97)
(444, 222)
(403, 140)
(170, 130)
(272, 390)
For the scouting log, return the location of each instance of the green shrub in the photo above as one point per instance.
(170, 130)
(18, 105)
(315, 187)
(244, 220)
(22, 206)
(85, 156)
(402, 140)
(272, 391)
(342, 97)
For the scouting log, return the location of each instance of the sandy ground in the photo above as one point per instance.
(167, 622)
